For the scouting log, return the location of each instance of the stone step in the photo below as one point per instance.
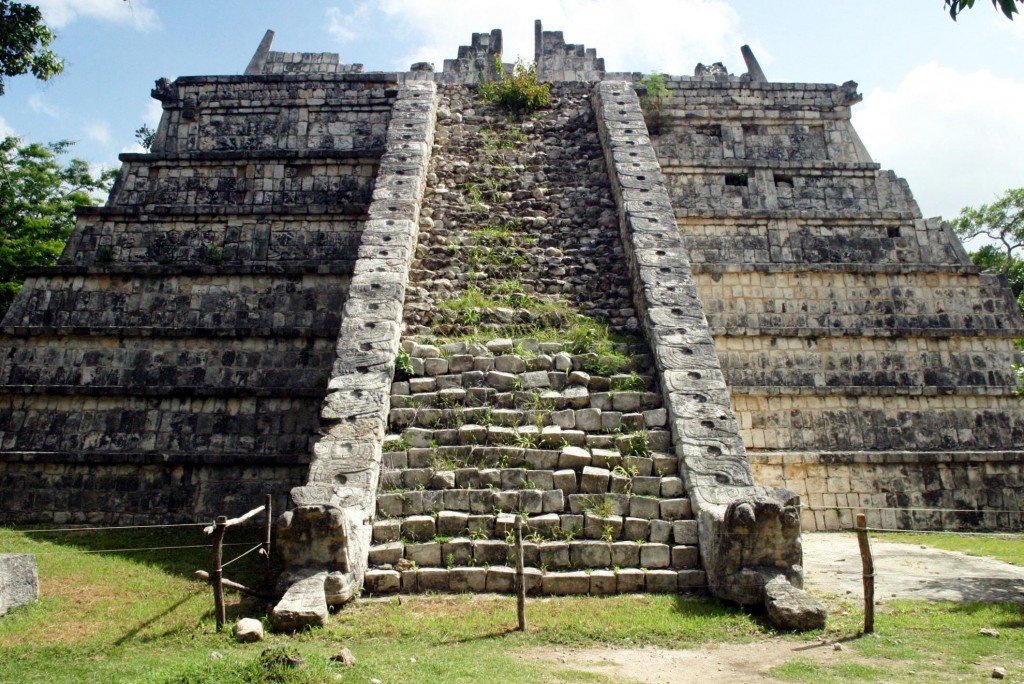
(440, 457)
(524, 347)
(572, 481)
(501, 579)
(456, 407)
(554, 526)
(472, 439)
(588, 554)
(507, 390)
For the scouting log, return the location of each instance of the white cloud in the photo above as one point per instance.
(154, 110)
(670, 35)
(38, 103)
(343, 27)
(5, 129)
(137, 13)
(954, 136)
(99, 131)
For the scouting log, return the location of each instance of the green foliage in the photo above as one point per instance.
(144, 135)
(1008, 7)
(24, 43)
(403, 364)
(1002, 222)
(38, 196)
(214, 253)
(518, 92)
(653, 100)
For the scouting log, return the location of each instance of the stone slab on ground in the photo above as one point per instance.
(19, 580)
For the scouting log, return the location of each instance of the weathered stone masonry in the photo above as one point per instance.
(229, 322)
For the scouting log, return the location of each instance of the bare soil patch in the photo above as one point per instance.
(710, 663)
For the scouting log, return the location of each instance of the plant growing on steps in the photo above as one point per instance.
(653, 100)
(519, 92)
(403, 365)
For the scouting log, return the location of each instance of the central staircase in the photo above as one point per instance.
(523, 387)
(487, 432)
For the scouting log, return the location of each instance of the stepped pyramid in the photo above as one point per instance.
(414, 319)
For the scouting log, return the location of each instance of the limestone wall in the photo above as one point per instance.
(174, 363)
(961, 490)
(850, 330)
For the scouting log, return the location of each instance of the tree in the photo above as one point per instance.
(38, 196)
(1008, 7)
(1002, 221)
(990, 258)
(24, 43)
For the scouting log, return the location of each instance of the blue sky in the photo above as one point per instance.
(944, 101)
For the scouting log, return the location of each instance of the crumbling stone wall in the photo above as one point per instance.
(174, 363)
(861, 347)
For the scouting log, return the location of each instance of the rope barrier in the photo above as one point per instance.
(243, 555)
(105, 529)
(909, 508)
(149, 548)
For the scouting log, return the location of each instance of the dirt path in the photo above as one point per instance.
(728, 663)
(832, 564)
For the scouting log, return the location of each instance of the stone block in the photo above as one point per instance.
(434, 579)
(594, 480)
(685, 532)
(590, 554)
(565, 480)
(573, 457)
(385, 531)
(644, 507)
(655, 555)
(501, 579)
(554, 555)
(624, 554)
(458, 551)
(467, 579)
(377, 582)
(490, 552)
(685, 557)
(636, 529)
(566, 583)
(456, 500)
(646, 486)
(676, 509)
(553, 501)
(419, 527)
(671, 487)
(424, 555)
(452, 523)
(541, 479)
(19, 580)
(661, 532)
(662, 582)
(480, 525)
(690, 580)
(386, 554)
(531, 501)
(630, 581)
(603, 583)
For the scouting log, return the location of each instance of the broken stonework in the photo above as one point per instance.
(792, 608)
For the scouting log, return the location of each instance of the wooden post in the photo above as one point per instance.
(868, 564)
(218, 571)
(520, 576)
(267, 525)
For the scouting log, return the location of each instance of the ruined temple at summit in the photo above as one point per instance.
(664, 336)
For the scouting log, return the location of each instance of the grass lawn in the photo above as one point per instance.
(141, 617)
